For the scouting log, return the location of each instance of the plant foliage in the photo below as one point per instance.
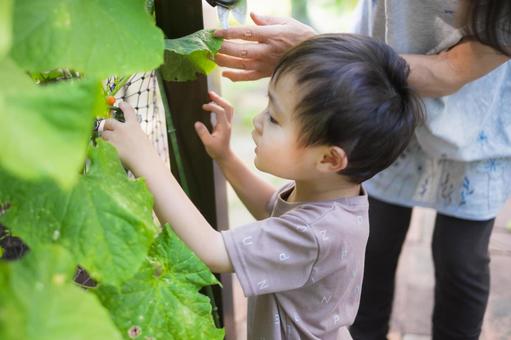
(67, 196)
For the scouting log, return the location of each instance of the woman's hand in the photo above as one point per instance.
(217, 143)
(268, 42)
(135, 150)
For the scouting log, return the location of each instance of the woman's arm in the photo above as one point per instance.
(446, 73)
(431, 75)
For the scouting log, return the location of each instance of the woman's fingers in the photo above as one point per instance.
(263, 20)
(243, 75)
(252, 33)
(244, 50)
(249, 33)
(242, 69)
(237, 63)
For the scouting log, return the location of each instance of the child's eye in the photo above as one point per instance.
(270, 118)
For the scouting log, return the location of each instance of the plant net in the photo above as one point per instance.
(142, 93)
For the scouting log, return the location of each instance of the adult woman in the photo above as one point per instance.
(458, 53)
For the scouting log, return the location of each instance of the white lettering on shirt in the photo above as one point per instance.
(324, 236)
(302, 228)
(326, 300)
(336, 319)
(284, 257)
(247, 241)
(262, 284)
(344, 254)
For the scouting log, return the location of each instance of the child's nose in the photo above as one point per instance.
(258, 123)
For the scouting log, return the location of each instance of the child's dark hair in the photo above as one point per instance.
(354, 94)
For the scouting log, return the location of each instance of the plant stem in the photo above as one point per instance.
(172, 139)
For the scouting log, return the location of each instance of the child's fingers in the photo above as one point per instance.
(107, 135)
(221, 115)
(203, 133)
(129, 113)
(229, 115)
(110, 124)
(223, 103)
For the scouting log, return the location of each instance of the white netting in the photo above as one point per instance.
(142, 93)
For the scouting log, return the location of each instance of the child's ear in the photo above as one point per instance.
(333, 159)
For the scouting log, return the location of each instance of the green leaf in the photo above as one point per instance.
(189, 55)
(38, 301)
(95, 37)
(162, 300)
(105, 221)
(11, 315)
(44, 131)
(5, 26)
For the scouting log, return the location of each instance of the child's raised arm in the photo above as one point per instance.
(171, 204)
(254, 192)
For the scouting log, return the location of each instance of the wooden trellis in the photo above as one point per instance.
(185, 100)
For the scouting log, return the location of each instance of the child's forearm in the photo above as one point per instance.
(173, 206)
(254, 192)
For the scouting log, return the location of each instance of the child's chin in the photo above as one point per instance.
(269, 170)
(259, 165)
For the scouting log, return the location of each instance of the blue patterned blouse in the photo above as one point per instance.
(459, 163)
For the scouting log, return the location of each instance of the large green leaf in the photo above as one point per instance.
(189, 55)
(11, 317)
(5, 26)
(38, 301)
(106, 220)
(96, 37)
(44, 131)
(162, 300)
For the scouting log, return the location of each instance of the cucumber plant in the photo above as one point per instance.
(54, 58)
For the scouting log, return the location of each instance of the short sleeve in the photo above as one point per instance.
(272, 255)
(271, 203)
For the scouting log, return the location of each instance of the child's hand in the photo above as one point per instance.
(132, 144)
(217, 143)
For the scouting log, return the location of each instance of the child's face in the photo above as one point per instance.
(276, 134)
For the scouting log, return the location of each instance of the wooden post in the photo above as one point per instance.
(185, 99)
(178, 18)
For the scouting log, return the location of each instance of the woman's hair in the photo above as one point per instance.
(353, 93)
(489, 22)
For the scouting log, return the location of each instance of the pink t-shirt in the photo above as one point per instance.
(302, 267)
